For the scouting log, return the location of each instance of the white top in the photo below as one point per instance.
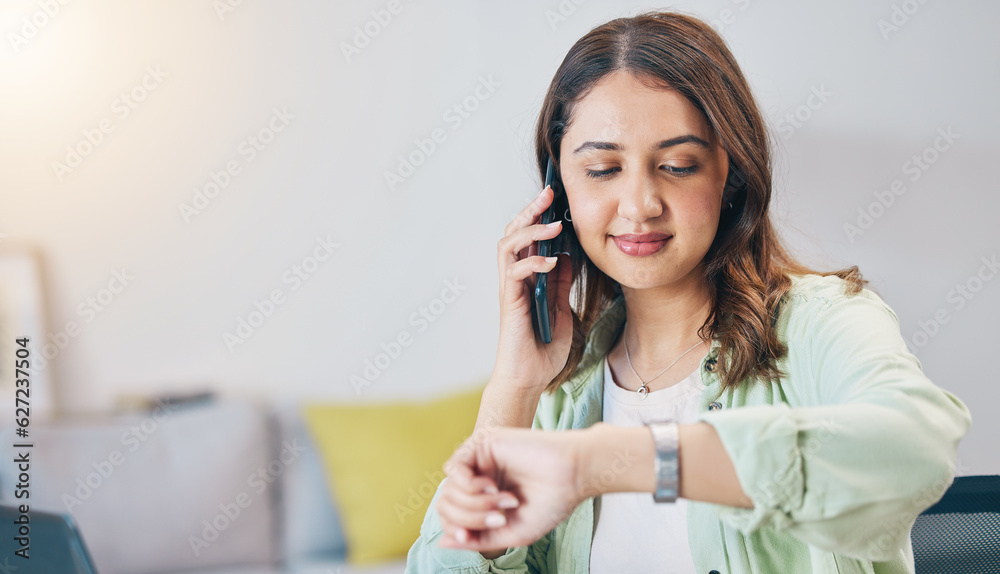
(634, 533)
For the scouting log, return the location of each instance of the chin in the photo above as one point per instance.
(647, 272)
(639, 275)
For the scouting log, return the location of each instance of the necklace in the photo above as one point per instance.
(643, 391)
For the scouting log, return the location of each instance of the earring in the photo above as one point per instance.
(566, 215)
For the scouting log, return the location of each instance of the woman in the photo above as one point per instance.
(806, 436)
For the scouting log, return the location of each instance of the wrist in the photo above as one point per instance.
(509, 381)
(505, 406)
(511, 385)
(614, 459)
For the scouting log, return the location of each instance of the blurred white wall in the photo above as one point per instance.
(893, 75)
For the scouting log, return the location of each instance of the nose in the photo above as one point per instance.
(638, 200)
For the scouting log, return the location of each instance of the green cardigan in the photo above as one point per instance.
(839, 459)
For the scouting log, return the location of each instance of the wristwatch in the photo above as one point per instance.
(667, 479)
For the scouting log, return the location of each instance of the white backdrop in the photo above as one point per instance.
(180, 163)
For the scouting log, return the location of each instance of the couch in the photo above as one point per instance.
(224, 487)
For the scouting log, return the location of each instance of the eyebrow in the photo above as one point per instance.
(689, 138)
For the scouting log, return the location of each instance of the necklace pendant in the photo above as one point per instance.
(643, 391)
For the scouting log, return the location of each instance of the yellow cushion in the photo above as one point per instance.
(383, 464)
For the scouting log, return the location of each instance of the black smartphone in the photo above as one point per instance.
(540, 301)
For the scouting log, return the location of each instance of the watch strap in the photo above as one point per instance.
(667, 479)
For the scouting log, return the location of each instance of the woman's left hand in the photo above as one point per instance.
(541, 469)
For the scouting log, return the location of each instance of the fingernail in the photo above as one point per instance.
(490, 489)
(554, 224)
(461, 535)
(495, 519)
(551, 259)
(507, 502)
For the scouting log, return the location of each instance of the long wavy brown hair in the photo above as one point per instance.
(746, 268)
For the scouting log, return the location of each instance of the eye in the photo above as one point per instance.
(678, 171)
(681, 171)
(600, 174)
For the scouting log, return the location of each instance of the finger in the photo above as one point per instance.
(531, 212)
(460, 472)
(522, 243)
(449, 528)
(524, 253)
(518, 272)
(452, 536)
(471, 485)
(461, 475)
(484, 484)
(512, 246)
(458, 467)
(484, 540)
(458, 538)
(473, 506)
(462, 517)
(480, 502)
(454, 539)
(526, 240)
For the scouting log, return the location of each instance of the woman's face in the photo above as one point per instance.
(641, 161)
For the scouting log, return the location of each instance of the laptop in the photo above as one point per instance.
(53, 543)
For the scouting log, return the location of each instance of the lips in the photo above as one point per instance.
(644, 238)
(642, 244)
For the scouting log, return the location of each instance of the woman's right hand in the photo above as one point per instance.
(523, 360)
(541, 475)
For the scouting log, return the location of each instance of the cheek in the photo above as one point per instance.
(590, 223)
(591, 218)
(698, 215)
